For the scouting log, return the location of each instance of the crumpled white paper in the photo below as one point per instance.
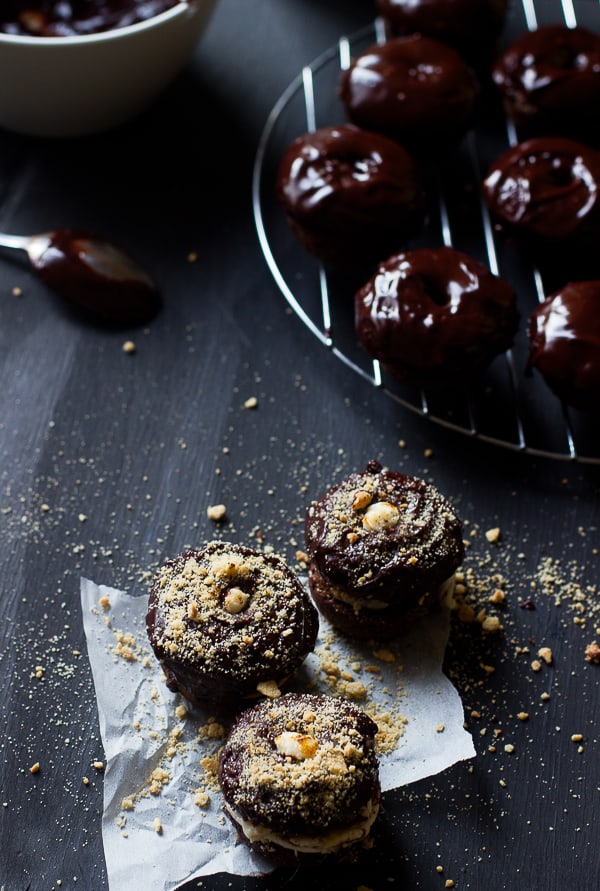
(167, 838)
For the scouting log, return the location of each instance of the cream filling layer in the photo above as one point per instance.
(446, 590)
(327, 843)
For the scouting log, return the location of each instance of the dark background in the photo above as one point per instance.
(108, 461)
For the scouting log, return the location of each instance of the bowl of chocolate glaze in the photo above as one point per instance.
(72, 68)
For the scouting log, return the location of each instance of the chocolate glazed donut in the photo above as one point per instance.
(228, 624)
(544, 196)
(414, 89)
(471, 26)
(349, 194)
(549, 80)
(564, 343)
(300, 778)
(383, 547)
(435, 317)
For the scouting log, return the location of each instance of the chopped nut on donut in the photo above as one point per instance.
(381, 515)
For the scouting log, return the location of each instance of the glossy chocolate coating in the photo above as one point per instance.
(54, 18)
(564, 338)
(300, 797)
(550, 82)
(349, 194)
(95, 276)
(472, 26)
(434, 317)
(225, 618)
(413, 89)
(384, 537)
(363, 622)
(544, 192)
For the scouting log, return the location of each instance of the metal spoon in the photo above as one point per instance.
(91, 274)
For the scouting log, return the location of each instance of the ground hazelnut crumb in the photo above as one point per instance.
(545, 696)
(216, 512)
(35, 768)
(384, 655)
(104, 602)
(85, 781)
(201, 798)
(509, 748)
(498, 596)
(252, 402)
(577, 737)
(449, 883)
(439, 869)
(127, 804)
(16, 291)
(545, 653)
(269, 689)
(493, 535)
(592, 653)
(491, 624)
(523, 716)
(157, 825)
(536, 665)
(99, 765)
(128, 347)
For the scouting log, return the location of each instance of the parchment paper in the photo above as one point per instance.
(157, 841)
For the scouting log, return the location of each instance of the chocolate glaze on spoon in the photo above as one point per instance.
(91, 274)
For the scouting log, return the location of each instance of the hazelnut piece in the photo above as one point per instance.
(298, 746)
(235, 600)
(381, 515)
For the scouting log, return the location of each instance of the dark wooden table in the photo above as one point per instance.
(109, 459)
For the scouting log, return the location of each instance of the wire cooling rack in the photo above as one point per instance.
(510, 408)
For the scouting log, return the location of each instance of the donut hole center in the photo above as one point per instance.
(435, 290)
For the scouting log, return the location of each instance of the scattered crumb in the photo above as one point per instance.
(493, 535)
(129, 347)
(251, 402)
(592, 653)
(216, 512)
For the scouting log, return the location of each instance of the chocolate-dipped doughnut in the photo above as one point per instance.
(564, 343)
(228, 623)
(349, 194)
(383, 546)
(544, 196)
(300, 778)
(435, 317)
(413, 89)
(549, 80)
(471, 26)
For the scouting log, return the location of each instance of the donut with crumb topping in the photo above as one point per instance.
(384, 548)
(228, 624)
(300, 778)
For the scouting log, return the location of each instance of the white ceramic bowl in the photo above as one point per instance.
(75, 86)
